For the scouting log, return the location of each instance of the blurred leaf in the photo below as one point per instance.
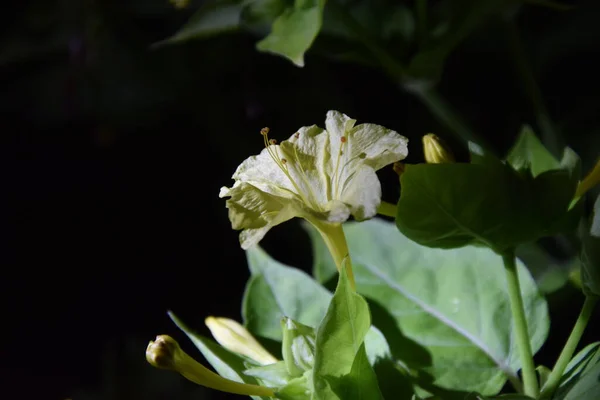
(457, 20)
(528, 153)
(342, 370)
(548, 273)
(295, 30)
(213, 18)
(543, 374)
(582, 376)
(590, 253)
(581, 364)
(260, 14)
(453, 303)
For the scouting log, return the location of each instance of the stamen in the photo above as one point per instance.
(272, 149)
(335, 184)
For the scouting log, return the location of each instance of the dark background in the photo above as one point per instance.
(113, 155)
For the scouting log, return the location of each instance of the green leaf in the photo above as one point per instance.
(298, 388)
(213, 18)
(340, 341)
(590, 253)
(529, 154)
(276, 291)
(446, 312)
(579, 366)
(543, 374)
(262, 13)
(272, 375)
(295, 30)
(393, 383)
(298, 346)
(226, 363)
(587, 386)
(361, 382)
(454, 205)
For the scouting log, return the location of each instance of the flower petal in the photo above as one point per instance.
(362, 193)
(256, 212)
(378, 145)
(262, 172)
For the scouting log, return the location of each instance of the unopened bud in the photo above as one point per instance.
(436, 151)
(234, 337)
(164, 353)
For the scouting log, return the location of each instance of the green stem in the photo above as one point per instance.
(569, 349)
(530, 382)
(335, 240)
(549, 134)
(387, 209)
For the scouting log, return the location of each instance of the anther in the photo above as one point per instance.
(264, 131)
(272, 141)
(343, 139)
(283, 160)
(297, 135)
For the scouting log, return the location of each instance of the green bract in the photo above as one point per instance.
(322, 175)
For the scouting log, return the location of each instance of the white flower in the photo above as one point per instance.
(322, 175)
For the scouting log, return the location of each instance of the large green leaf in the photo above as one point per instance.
(448, 311)
(341, 369)
(295, 30)
(453, 205)
(227, 364)
(276, 291)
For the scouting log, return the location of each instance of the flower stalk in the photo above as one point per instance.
(517, 309)
(335, 240)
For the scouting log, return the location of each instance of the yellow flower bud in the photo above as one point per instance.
(165, 353)
(234, 337)
(436, 152)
